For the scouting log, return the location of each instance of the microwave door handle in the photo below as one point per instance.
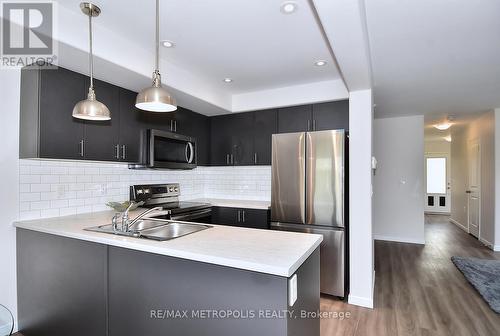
(190, 150)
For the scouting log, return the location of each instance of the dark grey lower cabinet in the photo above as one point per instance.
(156, 295)
(242, 217)
(72, 287)
(61, 285)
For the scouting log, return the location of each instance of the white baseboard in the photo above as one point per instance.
(360, 301)
(399, 239)
(487, 243)
(460, 225)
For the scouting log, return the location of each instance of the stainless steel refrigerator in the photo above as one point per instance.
(307, 195)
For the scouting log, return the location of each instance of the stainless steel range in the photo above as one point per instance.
(167, 197)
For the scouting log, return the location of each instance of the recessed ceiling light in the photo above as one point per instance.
(443, 126)
(320, 63)
(228, 80)
(168, 44)
(289, 7)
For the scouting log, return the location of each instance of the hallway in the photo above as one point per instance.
(418, 290)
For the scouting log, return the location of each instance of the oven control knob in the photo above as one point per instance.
(139, 191)
(170, 189)
(176, 189)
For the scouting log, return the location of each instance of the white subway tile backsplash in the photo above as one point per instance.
(29, 196)
(39, 205)
(49, 178)
(49, 213)
(60, 188)
(23, 178)
(40, 187)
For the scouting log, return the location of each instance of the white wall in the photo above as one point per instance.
(437, 146)
(496, 246)
(458, 157)
(360, 198)
(398, 200)
(483, 129)
(9, 191)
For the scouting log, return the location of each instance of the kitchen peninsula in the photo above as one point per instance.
(220, 281)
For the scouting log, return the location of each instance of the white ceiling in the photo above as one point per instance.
(457, 121)
(249, 41)
(433, 56)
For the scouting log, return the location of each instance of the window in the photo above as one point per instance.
(436, 175)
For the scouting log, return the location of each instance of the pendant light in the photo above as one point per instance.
(91, 108)
(156, 98)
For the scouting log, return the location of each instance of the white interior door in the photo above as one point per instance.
(438, 186)
(474, 188)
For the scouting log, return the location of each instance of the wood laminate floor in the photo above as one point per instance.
(418, 290)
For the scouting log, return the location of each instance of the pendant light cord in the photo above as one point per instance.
(157, 67)
(91, 58)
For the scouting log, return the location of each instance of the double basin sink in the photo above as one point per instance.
(155, 229)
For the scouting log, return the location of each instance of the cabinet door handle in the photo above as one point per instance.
(239, 216)
(175, 125)
(124, 152)
(255, 157)
(314, 124)
(82, 148)
(227, 159)
(171, 125)
(309, 125)
(117, 151)
(232, 159)
(243, 211)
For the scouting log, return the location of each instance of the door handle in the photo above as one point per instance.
(314, 124)
(124, 153)
(175, 125)
(117, 151)
(239, 216)
(82, 148)
(243, 216)
(468, 192)
(227, 159)
(255, 158)
(232, 159)
(309, 125)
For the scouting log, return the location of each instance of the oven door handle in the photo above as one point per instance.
(192, 215)
(190, 150)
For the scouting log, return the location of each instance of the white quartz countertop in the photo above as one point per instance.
(265, 251)
(231, 203)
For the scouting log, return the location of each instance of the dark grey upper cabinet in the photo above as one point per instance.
(242, 139)
(131, 127)
(232, 139)
(295, 119)
(220, 140)
(47, 127)
(264, 126)
(331, 115)
(102, 137)
(197, 126)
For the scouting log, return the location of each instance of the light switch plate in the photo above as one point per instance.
(292, 290)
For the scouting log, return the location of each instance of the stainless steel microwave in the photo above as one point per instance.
(161, 149)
